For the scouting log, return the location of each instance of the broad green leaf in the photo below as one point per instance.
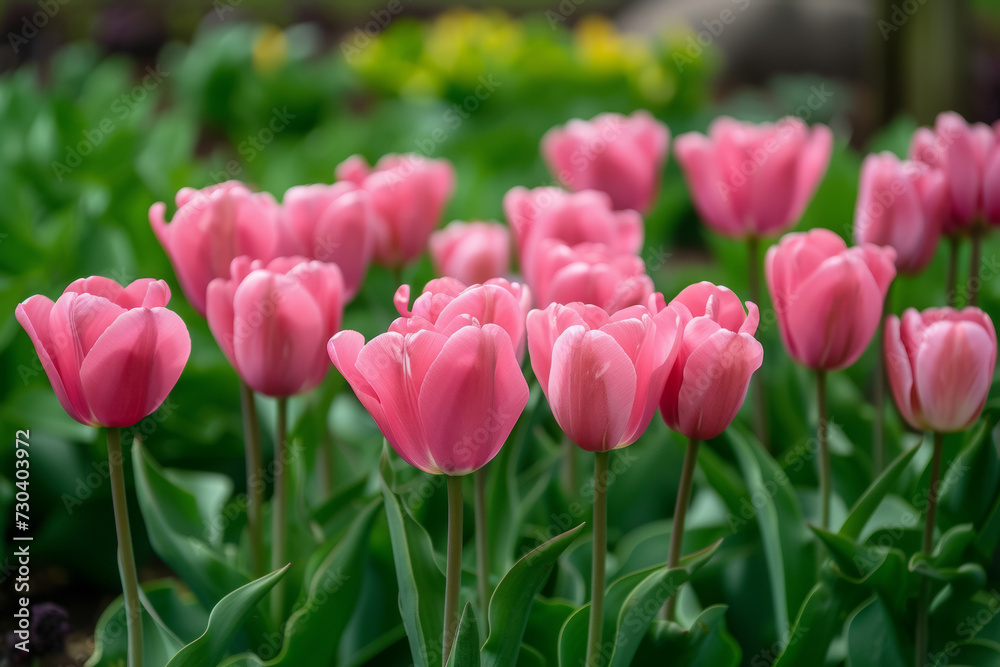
(573, 638)
(421, 582)
(707, 644)
(511, 603)
(820, 620)
(224, 622)
(870, 500)
(976, 653)
(465, 651)
(788, 549)
(969, 485)
(873, 639)
(530, 657)
(876, 569)
(545, 615)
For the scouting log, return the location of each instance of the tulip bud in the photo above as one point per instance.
(472, 252)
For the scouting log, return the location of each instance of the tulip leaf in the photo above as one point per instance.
(707, 644)
(545, 615)
(421, 582)
(869, 501)
(224, 622)
(573, 638)
(512, 600)
(970, 483)
(975, 653)
(465, 650)
(819, 622)
(873, 639)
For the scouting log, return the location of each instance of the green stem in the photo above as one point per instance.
(680, 513)
(482, 544)
(126, 557)
(759, 408)
(976, 237)
(569, 468)
(951, 284)
(255, 485)
(453, 576)
(825, 488)
(599, 555)
(923, 601)
(278, 511)
(878, 445)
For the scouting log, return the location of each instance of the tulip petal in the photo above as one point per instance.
(898, 368)
(951, 378)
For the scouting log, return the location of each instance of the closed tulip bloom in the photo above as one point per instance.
(749, 179)
(962, 152)
(112, 353)
(901, 204)
(620, 155)
(333, 223)
(445, 402)
(213, 226)
(573, 218)
(447, 305)
(828, 298)
(409, 193)
(472, 252)
(602, 374)
(273, 320)
(940, 364)
(590, 273)
(717, 356)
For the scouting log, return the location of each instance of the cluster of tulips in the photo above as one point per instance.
(445, 383)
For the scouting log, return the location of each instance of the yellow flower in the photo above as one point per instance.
(270, 50)
(603, 49)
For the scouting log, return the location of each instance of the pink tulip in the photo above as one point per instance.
(828, 297)
(961, 151)
(573, 218)
(112, 353)
(409, 193)
(602, 374)
(272, 321)
(333, 223)
(620, 155)
(717, 356)
(213, 226)
(901, 204)
(446, 305)
(473, 252)
(940, 364)
(446, 402)
(590, 273)
(750, 179)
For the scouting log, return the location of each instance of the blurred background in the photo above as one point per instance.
(108, 107)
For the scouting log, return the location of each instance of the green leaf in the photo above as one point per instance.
(969, 485)
(224, 622)
(976, 653)
(573, 638)
(465, 651)
(819, 621)
(863, 510)
(707, 644)
(161, 599)
(873, 639)
(421, 582)
(511, 603)
(788, 549)
(530, 657)
(545, 615)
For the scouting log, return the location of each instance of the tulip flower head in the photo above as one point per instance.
(716, 358)
(603, 374)
(750, 179)
(212, 227)
(272, 321)
(828, 298)
(333, 223)
(409, 193)
(445, 394)
(901, 204)
(472, 252)
(112, 353)
(940, 364)
(620, 155)
(968, 156)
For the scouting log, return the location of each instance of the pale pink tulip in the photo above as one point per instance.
(472, 252)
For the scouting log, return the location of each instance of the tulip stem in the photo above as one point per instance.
(599, 555)
(951, 295)
(976, 238)
(680, 512)
(924, 599)
(453, 576)
(825, 488)
(126, 557)
(255, 485)
(278, 508)
(759, 409)
(569, 468)
(482, 544)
